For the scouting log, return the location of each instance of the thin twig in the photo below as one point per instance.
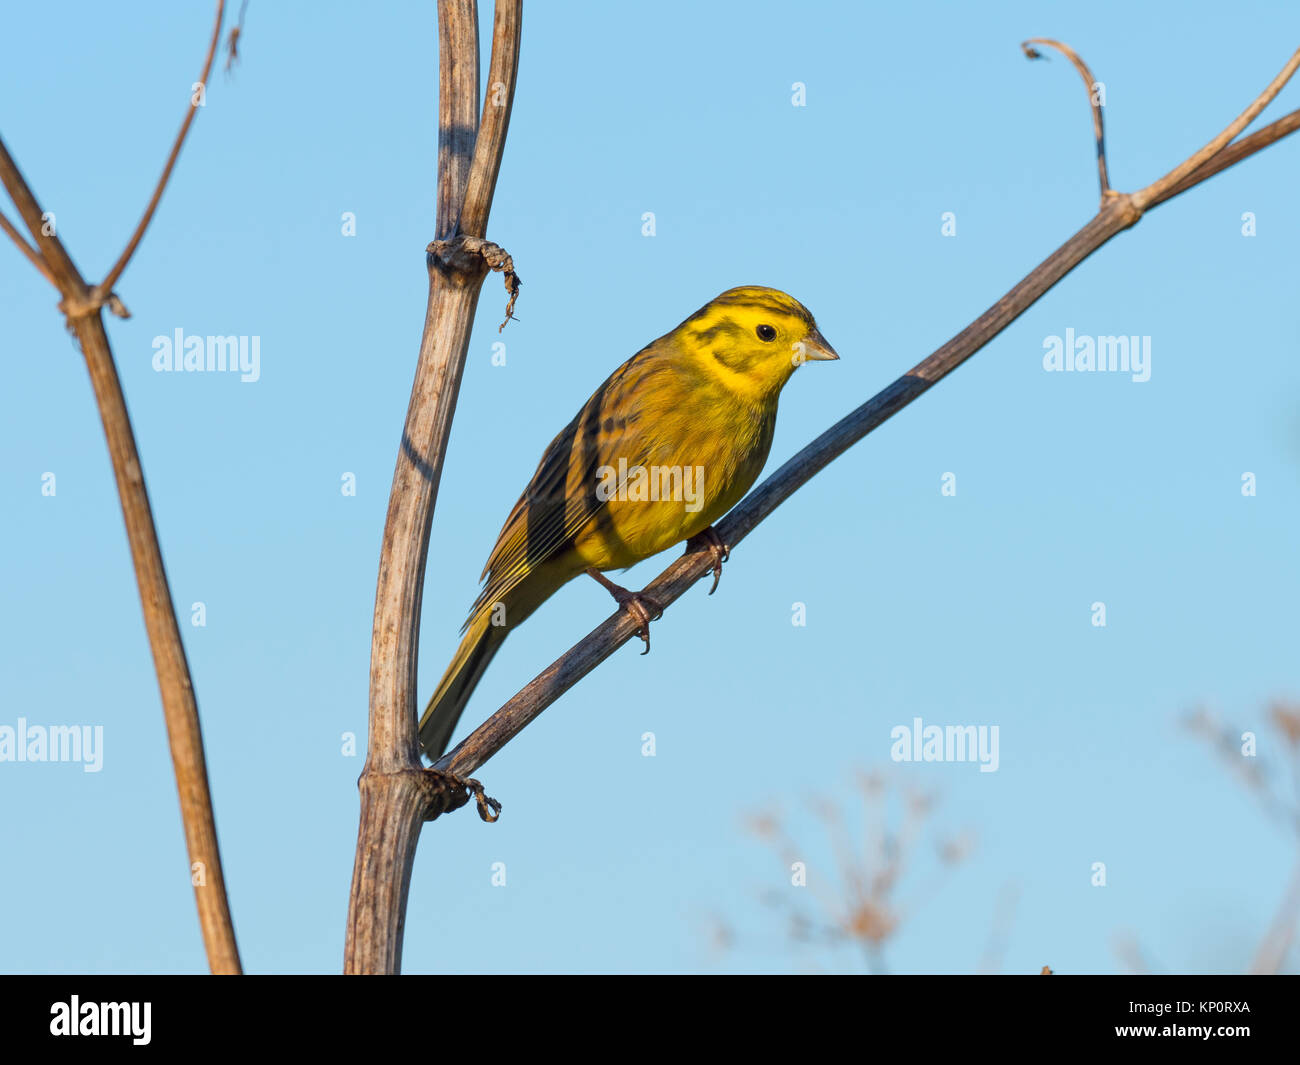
(32, 254)
(1118, 212)
(61, 267)
(1091, 84)
(232, 42)
(1233, 153)
(1155, 192)
(101, 291)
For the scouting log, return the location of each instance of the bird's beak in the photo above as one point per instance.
(816, 348)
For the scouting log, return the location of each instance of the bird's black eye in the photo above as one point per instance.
(765, 332)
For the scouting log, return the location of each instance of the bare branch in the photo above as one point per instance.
(1118, 212)
(180, 708)
(488, 149)
(397, 793)
(1234, 152)
(32, 254)
(1155, 192)
(61, 268)
(457, 107)
(101, 291)
(1090, 83)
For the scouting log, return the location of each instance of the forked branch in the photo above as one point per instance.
(101, 291)
(81, 306)
(397, 793)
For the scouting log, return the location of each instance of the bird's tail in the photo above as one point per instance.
(482, 641)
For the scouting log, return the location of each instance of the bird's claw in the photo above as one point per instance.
(639, 605)
(717, 549)
(645, 610)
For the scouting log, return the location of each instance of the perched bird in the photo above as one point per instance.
(665, 447)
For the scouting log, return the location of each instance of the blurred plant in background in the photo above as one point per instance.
(877, 860)
(1275, 784)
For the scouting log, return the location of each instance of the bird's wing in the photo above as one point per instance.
(617, 422)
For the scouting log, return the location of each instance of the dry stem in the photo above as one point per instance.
(81, 306)
(397, 794)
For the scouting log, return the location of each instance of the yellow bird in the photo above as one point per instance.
(666, 446)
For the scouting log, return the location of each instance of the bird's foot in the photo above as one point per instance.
(709, 538)
(640, 606)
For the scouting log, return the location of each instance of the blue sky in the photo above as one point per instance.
(968, 609)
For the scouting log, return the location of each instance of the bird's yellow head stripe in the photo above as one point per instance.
(752, 338)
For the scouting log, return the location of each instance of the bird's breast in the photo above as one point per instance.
(694, 471)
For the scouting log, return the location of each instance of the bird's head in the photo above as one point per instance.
(754, 338)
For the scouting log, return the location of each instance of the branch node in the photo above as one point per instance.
(1125, 203)
(465, 252)
(75, 308)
